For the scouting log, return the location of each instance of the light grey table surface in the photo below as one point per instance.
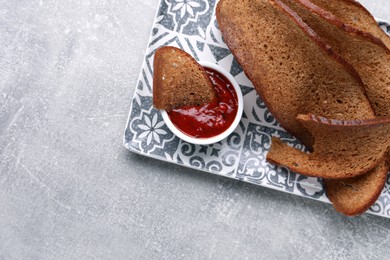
(69, 190)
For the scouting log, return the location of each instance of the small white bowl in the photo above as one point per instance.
(227, 132)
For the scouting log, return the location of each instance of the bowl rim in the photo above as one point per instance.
(224, 134)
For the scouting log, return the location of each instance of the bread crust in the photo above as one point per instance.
(342, 124)
(342, 25)
(371, 25)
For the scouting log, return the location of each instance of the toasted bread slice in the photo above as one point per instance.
(371, 58)
(354, 14)
(368, 54)
(292, 69)
(179, 80)
(342, 149)
(353, 196)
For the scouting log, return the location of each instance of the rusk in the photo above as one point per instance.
(179, 80)
(369, 56)
(354, 14)
(292, 69)
(354, 196)
(342, 149)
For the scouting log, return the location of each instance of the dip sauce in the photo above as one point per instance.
(210, 119)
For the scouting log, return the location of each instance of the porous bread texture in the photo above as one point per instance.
(369, 56)
(179, 80)
(291, 68)
(354, 14)
(353, 196)
(342, 149)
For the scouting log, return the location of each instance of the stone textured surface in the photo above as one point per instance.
(69, 190)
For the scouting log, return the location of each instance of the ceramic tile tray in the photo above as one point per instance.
(191, 26)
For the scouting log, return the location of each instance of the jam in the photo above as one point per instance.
(212, 118)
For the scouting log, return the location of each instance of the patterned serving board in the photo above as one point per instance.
(191, 25)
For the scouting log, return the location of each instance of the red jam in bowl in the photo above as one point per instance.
(210, 119)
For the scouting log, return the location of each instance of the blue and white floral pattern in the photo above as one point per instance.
(191, 26)
(185, 7)
(188, 17)
(151, 129)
